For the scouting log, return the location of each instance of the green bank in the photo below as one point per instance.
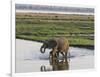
(78, 29)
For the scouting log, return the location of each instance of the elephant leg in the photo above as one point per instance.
(65, 54)
(57, 55)
(53, 55)
(50, 57)
(54, 52)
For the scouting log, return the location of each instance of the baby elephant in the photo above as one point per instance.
(58, 45)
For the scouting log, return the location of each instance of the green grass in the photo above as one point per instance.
(39, 27)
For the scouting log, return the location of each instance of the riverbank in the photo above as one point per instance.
(78, 29)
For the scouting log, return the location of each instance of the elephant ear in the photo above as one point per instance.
(52, 43)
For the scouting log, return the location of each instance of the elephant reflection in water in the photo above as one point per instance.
(56, 65)
(59, 64)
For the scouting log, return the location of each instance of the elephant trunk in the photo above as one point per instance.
(41, 49)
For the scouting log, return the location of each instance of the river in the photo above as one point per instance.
(30, 59)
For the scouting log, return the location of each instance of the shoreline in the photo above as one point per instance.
(79, 46)
(74, 13)
(84, 46)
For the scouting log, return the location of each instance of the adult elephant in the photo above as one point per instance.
(58, 45)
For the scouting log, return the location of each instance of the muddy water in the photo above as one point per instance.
(29, 58)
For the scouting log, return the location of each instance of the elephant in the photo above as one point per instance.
(58, 45)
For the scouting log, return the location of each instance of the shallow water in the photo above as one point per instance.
(30, 59)
(32, 51)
